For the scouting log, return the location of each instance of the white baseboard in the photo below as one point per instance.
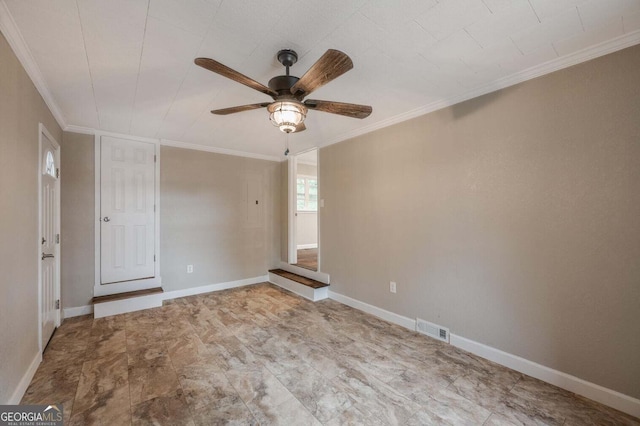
(562, 380)
(566, 381)
(77, 311)
(307, 246)
(374, 310)
(18, 393)
(167, 295)
(313, 294)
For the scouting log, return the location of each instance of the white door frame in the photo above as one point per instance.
(115, 288)
(292, 245)
(292, 207)
(42, 130)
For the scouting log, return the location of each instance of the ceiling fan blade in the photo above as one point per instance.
(225, 71)
(341, 108)
(233, 110)
(331, 65)
(300, 127)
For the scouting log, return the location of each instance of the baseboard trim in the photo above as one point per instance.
(167, 295)
(566, 381)
(77, 311)
(306, 246)
(595, 392)
(18, 393)
(374, 310)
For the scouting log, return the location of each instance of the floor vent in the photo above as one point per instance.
(432, 330)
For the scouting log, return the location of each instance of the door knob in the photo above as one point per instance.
(106, 219)
(46, 256)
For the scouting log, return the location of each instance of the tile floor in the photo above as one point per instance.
(260, 355)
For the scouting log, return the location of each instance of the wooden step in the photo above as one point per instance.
(127, 295)
(131, 301)
(299, 278)
(305, 287)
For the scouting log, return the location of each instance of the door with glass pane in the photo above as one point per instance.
(49, 237)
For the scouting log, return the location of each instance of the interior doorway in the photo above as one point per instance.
(305, 206)
(127, 230)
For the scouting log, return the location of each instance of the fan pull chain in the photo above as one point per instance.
(286, 151)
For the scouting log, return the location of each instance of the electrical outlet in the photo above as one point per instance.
(392, 286)
(189, 269)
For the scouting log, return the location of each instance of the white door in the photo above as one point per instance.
(50, 238)
(127, 184)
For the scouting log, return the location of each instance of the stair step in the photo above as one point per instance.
(127, 295)
(131, 301)
(305, 287)
(299, 278)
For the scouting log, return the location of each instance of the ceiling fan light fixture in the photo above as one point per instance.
(287, 115)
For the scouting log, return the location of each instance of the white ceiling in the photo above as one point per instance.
(126, 66)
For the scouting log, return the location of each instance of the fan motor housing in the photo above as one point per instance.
(282, 83)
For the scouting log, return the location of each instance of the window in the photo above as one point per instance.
(49, 164)
(307, 198)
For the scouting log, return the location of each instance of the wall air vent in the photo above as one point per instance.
(432, 330)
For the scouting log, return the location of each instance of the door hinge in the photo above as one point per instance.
(155, 158)
(57, 173)
(154, 208)
(58, 304)
(154, 257)
(57, 238)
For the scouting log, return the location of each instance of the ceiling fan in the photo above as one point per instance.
(288, 110)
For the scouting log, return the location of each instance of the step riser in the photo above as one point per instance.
(123, 306)
(302, 290)
(315, 275)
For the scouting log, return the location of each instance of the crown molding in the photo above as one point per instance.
(11, 32)
(198, 147)
(19, 46)
(610, 46)
(168, 142)
(80, 129)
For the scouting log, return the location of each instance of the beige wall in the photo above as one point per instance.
(307, 169)
(306, 228)
(513, 219)
(306, 222)
(202, 211)
(77, 221)
(203, 218)
(21, 109)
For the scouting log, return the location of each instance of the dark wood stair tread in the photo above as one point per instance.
(299, 278)
(127, 295)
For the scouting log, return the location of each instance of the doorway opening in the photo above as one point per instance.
(305, 207)
(126, 206)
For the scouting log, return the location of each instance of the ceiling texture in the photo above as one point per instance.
(126, 66)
